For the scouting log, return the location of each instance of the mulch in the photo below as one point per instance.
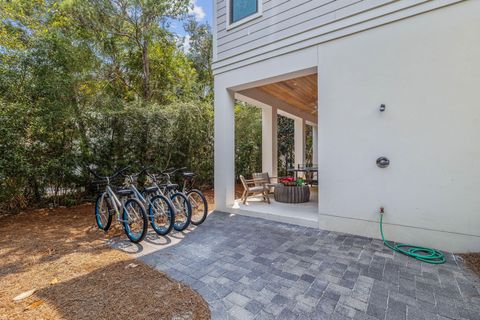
(472, 261)
(61, 256)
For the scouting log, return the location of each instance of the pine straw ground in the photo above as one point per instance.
(60, 253)
(472, 260)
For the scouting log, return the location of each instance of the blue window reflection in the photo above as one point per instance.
(240, 9)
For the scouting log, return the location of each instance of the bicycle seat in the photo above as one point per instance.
(188, 174)
(150, 189)
(124, 192)
(170, 186)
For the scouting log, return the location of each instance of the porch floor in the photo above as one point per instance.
(303, 214)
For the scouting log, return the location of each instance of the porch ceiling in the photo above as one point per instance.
(298, 92)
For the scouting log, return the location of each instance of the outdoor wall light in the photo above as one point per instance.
(382, 107)
(383, 162)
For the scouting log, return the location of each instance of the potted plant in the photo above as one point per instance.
(290, 181)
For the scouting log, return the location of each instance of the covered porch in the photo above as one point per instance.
(295, 98)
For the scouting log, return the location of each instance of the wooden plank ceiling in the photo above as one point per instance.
(299, 92)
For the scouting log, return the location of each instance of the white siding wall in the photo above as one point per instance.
(426, 70)
(288, 25)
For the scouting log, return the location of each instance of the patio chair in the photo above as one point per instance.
(251, 189)
(264, 179)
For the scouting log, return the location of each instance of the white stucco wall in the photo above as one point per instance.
(426, 69)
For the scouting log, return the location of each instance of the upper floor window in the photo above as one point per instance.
(241, 11)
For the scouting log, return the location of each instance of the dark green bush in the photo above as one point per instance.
(44, 159)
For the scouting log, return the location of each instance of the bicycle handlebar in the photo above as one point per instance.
(173, 170)
(134, 175)
(116, 174)
(166, 172)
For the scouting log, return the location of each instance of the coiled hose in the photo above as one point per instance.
(427, 255)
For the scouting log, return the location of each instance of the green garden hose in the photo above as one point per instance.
(427, 255)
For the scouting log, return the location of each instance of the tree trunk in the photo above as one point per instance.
(146, 71)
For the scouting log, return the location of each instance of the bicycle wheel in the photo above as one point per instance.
(135, 221)
(199, 206)
(103, 212)
(183, 211)
(161, 214)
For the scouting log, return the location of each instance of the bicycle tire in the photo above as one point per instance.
(170, 215)
(126, 225)
(187, 208)
(203, 215)
(103, 226)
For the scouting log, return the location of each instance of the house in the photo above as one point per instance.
(375, 78)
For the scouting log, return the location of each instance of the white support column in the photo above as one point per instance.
(269, 141)
(224, 154)
(299, 136)
(315, 144)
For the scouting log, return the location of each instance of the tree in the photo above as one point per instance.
(285, 144)
(125, 33)
(200, 53)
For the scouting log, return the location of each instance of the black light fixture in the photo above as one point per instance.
(382, 107)
(383, 162)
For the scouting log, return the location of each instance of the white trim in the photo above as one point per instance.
(244, 20)
(215, 32)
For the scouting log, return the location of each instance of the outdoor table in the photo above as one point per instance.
(296, 171)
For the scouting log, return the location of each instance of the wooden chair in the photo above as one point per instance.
(251, 189)
(264, 179)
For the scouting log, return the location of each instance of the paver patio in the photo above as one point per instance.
(248, 268)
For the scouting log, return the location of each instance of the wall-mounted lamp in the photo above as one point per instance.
(383, 162)
(382, 107)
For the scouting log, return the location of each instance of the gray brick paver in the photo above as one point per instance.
(237, 298)
(248, 268)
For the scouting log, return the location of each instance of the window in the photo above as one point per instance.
(241, 11)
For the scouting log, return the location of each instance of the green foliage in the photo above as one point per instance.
(41, 157)
(180, 134)
(132, 44)
(200, 53)
(97, 82)
(286, 144)
(248, 140)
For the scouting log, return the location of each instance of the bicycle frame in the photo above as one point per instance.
(116, 203)
(137, 194)
(145, 201)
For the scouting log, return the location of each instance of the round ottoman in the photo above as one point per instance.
(292, 194)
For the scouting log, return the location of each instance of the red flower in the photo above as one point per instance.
(287, 179)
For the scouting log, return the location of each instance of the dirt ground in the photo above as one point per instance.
(472, 260)
(62, 256)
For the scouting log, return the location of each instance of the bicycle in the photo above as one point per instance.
(197, 199)
(160, 209)
(182, 207)
(133, 219)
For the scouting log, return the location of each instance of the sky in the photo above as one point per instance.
(202, 10)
